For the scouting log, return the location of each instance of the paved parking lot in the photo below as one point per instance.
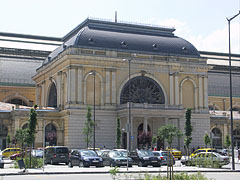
(64, 169)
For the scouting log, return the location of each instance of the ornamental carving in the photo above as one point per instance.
(142, 90)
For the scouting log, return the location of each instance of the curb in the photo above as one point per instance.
(106, 172)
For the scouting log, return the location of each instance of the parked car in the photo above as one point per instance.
(143, 158)
(99, 153)
(116, 158)
(176, 153)
(203, 150)
(1, 162)
(56, 154)
(37, 153)
(84, 158)
(10, 151)
(163, 156)
(223, 152)
(215, 157)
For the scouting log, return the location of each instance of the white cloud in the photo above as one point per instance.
(218, 40)
(215, 41)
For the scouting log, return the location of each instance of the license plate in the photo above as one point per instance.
(154, 161)
(124, 162)
(95, 161)
(62, 156)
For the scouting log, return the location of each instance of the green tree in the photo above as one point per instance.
(227, 142)
(88, 129)
(8, 139)
(21, 137)
(207, 140)
(188, 130)
(32, 123)
(154, 140)
(118, 140)
(168, 133)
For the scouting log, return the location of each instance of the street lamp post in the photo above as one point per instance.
(94, 120)
(129, 123)
(230, 76)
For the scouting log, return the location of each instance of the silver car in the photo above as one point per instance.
(163, 156)
(213, 156)
(1, 162)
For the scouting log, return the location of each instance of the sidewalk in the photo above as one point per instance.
(63, 169)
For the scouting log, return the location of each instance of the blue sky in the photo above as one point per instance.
(201, 22)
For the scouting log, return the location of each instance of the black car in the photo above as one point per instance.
(84, 158)
(56, 154)
(116, 158)
(143, 158)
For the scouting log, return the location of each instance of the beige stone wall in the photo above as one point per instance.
(223, 103)
(182, 80)
(20, 92)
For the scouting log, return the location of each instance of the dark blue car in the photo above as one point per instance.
(84, 158)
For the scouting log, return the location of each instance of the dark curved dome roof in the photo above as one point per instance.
(126, 37)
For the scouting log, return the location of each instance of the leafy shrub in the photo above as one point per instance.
(35, 162)
(177, 176)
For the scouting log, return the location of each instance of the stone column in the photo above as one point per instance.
(37, 94)
(200, 92)
(102, 93)
(205, 92)
(145, 124)
(107, 100)
(225, 132)
(114, 87)
(71, 88)
(195, 98)
(59, 89)
(79, 88)
(171, 89)
(176, 89)
(43, 93)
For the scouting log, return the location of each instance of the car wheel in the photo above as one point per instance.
(80, 164)
(140, 164)
(111, 164)
(70, 164)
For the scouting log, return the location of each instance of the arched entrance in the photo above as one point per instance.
(216, 138)
(3, 136)
(144, 139)
(52, 97)
(50, 135)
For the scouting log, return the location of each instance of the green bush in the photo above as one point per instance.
(176, 176)
(35, 162)
(206, 162)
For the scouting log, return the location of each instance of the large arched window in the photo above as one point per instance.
(142, 90)
(52, 97)
(50, 135)
(216, 138)
(17, 101)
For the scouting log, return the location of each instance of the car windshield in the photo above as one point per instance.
(164, 154)
(88, 153)
(37, 152)
(212, 150)
(62, 150)
(145, 153)
(117, 154)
